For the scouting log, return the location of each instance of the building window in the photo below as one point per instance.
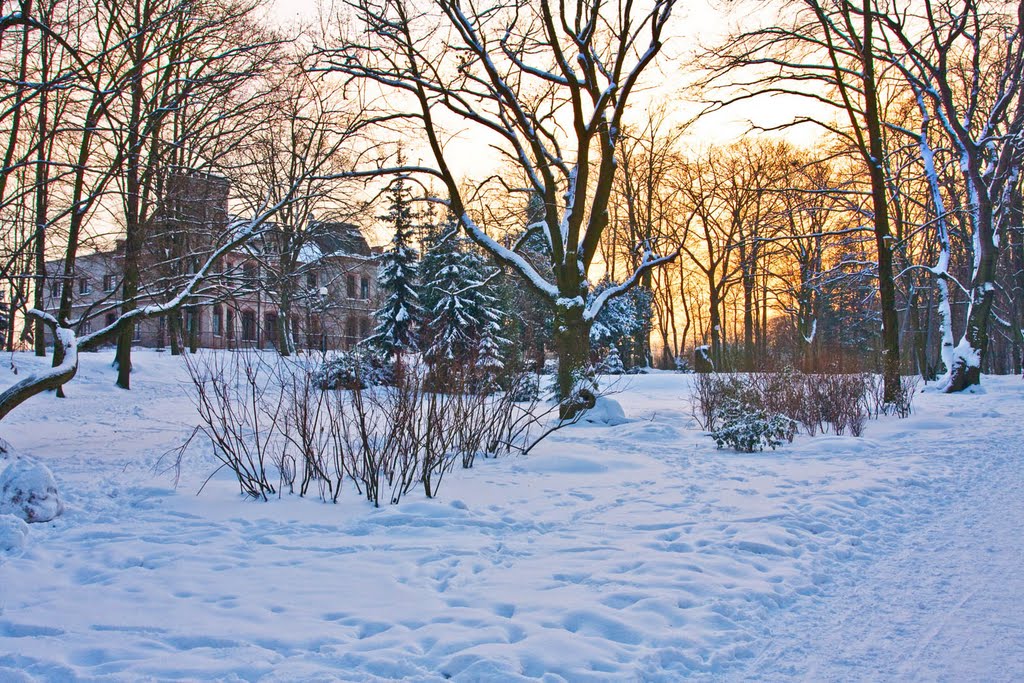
(111, 319)
(83, 285)
(230, 324)
(55, 287)
(249, 274)
(311, 279)
(85, 327)
(137, 331)
(248, 325)
(364, 288)
(314, 336)
(351, 331)
(270, 328)
(192, 321)
(350, 286)
(364, 328)
(217, 322)
(108, 283)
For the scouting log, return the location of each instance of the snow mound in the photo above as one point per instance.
(28, 490)
(13, 533)
(6, 450)
(606, 411)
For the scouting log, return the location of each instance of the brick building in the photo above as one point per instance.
(332, 288)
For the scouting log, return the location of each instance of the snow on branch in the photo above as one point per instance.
(648, 262)
(48, 379)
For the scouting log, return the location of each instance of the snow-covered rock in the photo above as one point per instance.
(606, 411)
(13, 533)
(28, 491)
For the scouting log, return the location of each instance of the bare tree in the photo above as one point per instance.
(827, 54)
(964, 63)
(549, 85)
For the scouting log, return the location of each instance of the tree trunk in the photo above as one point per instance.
(285, 338)
(133, 216)
(749, 306)
(50, 379)
(716, 326)
(970, 355)
(174, 332)
(42, 199)
(572, 342)
(883, 231)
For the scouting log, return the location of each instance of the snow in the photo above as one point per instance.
(28, 491)
(630, 552)
(13, 534)
(606, 411)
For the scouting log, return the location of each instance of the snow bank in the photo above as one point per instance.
(13, 533)
(606, 411)
(639, 552)
(28, 490)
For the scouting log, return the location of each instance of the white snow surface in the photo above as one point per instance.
(13, 534)
(29, 491)
(606, 411)
(628, 552)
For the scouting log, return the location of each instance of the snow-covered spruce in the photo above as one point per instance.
(612, 363)
(28, 491)
(401, 313)
(463, 321)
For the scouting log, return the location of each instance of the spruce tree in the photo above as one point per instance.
(401, 313)
(460, 299)
(612, 363)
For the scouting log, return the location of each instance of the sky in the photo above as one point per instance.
(693, 23)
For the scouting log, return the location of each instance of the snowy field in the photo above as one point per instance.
(635, 552)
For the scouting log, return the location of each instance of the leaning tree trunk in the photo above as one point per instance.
(51, 378)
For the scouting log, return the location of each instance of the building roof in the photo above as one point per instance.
(337, 238)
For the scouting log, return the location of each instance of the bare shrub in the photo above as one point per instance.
(902, 407)
(230, 397)
(711, 392)
(278, 421)
(818, 403)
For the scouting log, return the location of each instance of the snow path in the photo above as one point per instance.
(945, 605)
(636, 552)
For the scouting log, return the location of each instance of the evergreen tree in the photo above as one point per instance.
(622, 320)
(529, 326)
(612, 363)
(401, 313)
(461, 304)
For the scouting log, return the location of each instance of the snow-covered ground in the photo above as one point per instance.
(633, 552)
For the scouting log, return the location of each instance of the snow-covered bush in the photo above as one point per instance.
(711, 391)
(748, 428)
(28, 491)
(612, 363)
(357, 369)
(606, 411)
(902, 407)
(836, 402)
(13, 534)
(524, 387)
(702, 361)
